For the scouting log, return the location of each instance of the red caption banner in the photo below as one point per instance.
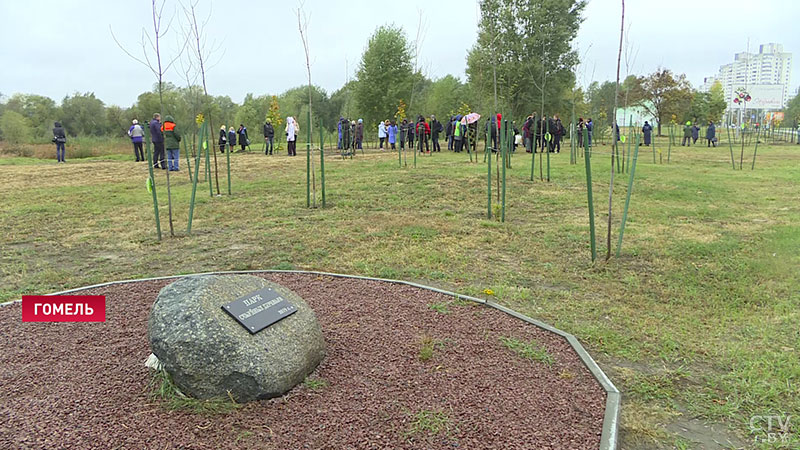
(63, 308)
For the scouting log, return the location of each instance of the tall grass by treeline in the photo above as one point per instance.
(76, 148)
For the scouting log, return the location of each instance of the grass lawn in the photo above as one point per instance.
(698, 322)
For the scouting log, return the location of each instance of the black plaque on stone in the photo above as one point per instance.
(259, 309)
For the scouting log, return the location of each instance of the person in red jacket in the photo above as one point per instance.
(423, 131)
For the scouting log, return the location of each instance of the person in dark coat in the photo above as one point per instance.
(546, 125)
(538, 138)
(589, 129)
(223, 139)
(616, 131)
(491, 132)
(695, 133)
(557, 133)
(159, 155)
(527, 135)
(343, 124)
(646, 131)
(346, 137)
(244, 141)
(711, 133)
(59, 138)
(436, 128)
(231, 139)
(687, 134)
(423, 130)
(403, 127)
(410, 135)
(580, 128)
(448, 133)
(360, 134)
(269, 136)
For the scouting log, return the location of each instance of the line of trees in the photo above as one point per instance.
(528, 43)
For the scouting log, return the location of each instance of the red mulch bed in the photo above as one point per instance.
(73, 385)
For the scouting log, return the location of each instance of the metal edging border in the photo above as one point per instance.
(609, 437)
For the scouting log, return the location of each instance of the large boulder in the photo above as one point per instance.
(209, 354)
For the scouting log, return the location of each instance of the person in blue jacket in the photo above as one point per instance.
(392, 132)
(231, 139)
(136, 133)
(339, 126)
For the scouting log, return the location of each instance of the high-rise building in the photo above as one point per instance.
(769, 67)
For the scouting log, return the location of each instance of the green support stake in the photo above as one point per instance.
(322, 160)
(152, 179)
(188, 164)
(730, 145)
(503, 181)
(753, 166)
(399, 157)
(468, 145)
(587, 158)
(419, 144)
(631, 130)
(628, 197)
(548, 161)
(488, 179)
(671, 139)
(741, 157)
(533, 155)
(208, 171)
(654, 152)
(228, 162)
(194, 181)
(308, 174)
(573, 152)
(510, 143)
(654, 136)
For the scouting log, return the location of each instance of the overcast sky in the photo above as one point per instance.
(55, 48)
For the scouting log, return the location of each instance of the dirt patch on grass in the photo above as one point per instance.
(68, 384)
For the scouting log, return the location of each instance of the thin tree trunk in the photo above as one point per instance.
(614, 133)
(157, 29)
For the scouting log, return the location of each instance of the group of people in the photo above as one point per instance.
(351, 134)
(545, 134)
(231, 137)
(693, 132)
(165, 138)
(426, 134)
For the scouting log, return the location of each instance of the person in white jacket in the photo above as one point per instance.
(291, 135)
(381, 133)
